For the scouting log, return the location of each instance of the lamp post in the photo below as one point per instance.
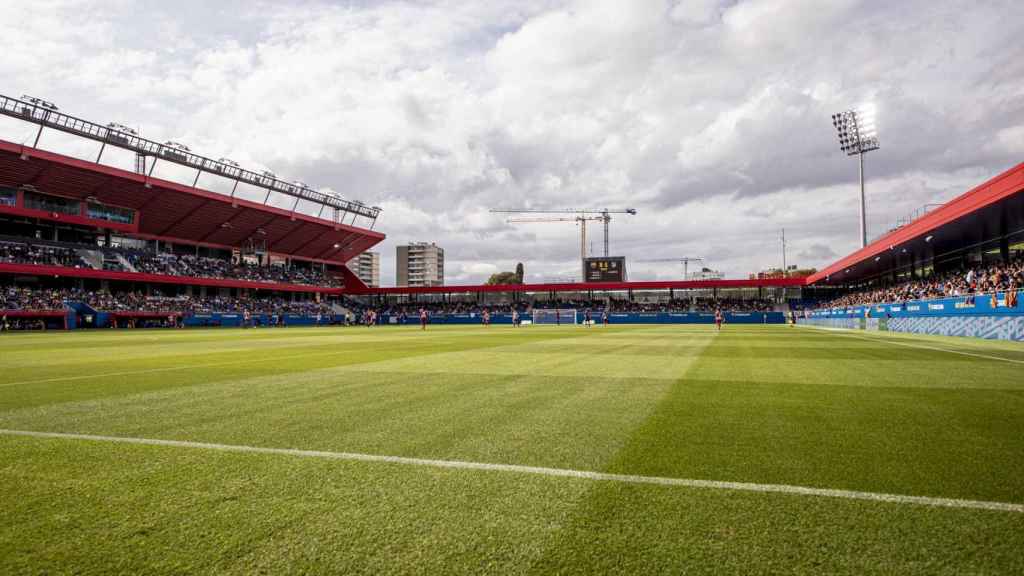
(858, 135)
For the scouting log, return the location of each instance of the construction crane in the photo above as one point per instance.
(581, 217)
(581, 220)
(685, 260)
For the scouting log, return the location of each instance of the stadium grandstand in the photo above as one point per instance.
(84, 244)
(956, 270)
(88, 245)
(206, 372)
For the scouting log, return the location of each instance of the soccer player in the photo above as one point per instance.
(587, 318)
(558, 317)
(423, 318)
(604, 316)
(718, 319)
(515, 318)
(486, 317)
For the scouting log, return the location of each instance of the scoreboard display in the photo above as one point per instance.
(604, 269)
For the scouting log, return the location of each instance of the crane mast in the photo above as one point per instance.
(582, 217)
(685, 260)
(581, 220)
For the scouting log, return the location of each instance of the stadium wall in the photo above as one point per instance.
(228, 320)
(998, 318)
(988, 327)
(614, 318)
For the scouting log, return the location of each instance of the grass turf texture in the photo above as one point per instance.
(759, 404)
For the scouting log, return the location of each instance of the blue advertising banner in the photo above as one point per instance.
(981, 305)
(613, 318)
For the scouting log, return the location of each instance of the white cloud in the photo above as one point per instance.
(711, 118)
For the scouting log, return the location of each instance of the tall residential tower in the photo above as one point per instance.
(367, 267)
(419, 264)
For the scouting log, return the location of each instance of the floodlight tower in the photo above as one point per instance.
(858, 135)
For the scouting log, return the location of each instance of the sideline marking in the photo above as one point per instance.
(560, 472)
(169, 368)
(849, 332)
(216, 364)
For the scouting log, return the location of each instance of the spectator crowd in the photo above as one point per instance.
(596, 306)
(58, 254)
(50, 299)
(41, 254)
(1001, 277)
(12, 298)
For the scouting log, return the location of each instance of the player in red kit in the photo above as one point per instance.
(718, 319)
(423, 319)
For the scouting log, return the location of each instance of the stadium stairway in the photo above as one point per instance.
(81, 308)
(125, 264)
(94, 258)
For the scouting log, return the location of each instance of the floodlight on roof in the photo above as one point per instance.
(39, 102)
(47, 115)
(177, 146)
(122, 128)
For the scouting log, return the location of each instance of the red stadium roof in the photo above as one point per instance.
(175, 212)
(990, 210)
(586, 286)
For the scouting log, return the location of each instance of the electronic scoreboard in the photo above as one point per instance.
(604, 269)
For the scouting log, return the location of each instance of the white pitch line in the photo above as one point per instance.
(171, 368)
(541, 471)
(849, 332)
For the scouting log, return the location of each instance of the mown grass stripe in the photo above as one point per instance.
(880, 338)
(249, 360)
(560, 472)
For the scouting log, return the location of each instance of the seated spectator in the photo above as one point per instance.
(968, 283)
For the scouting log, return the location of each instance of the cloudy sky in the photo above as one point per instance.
(711, 118)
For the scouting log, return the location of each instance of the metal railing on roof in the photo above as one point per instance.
(114, 135)
(908, 218)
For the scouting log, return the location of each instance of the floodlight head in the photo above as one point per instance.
(857, 130)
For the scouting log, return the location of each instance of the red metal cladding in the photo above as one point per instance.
(588, 286)
(998, 188)
(175, 212)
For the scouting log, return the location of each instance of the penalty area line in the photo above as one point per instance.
(541, 471)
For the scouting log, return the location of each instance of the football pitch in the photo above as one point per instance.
(470, 450)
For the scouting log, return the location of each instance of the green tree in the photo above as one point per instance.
(503, 278)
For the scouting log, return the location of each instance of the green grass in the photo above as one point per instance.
(761, 404)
